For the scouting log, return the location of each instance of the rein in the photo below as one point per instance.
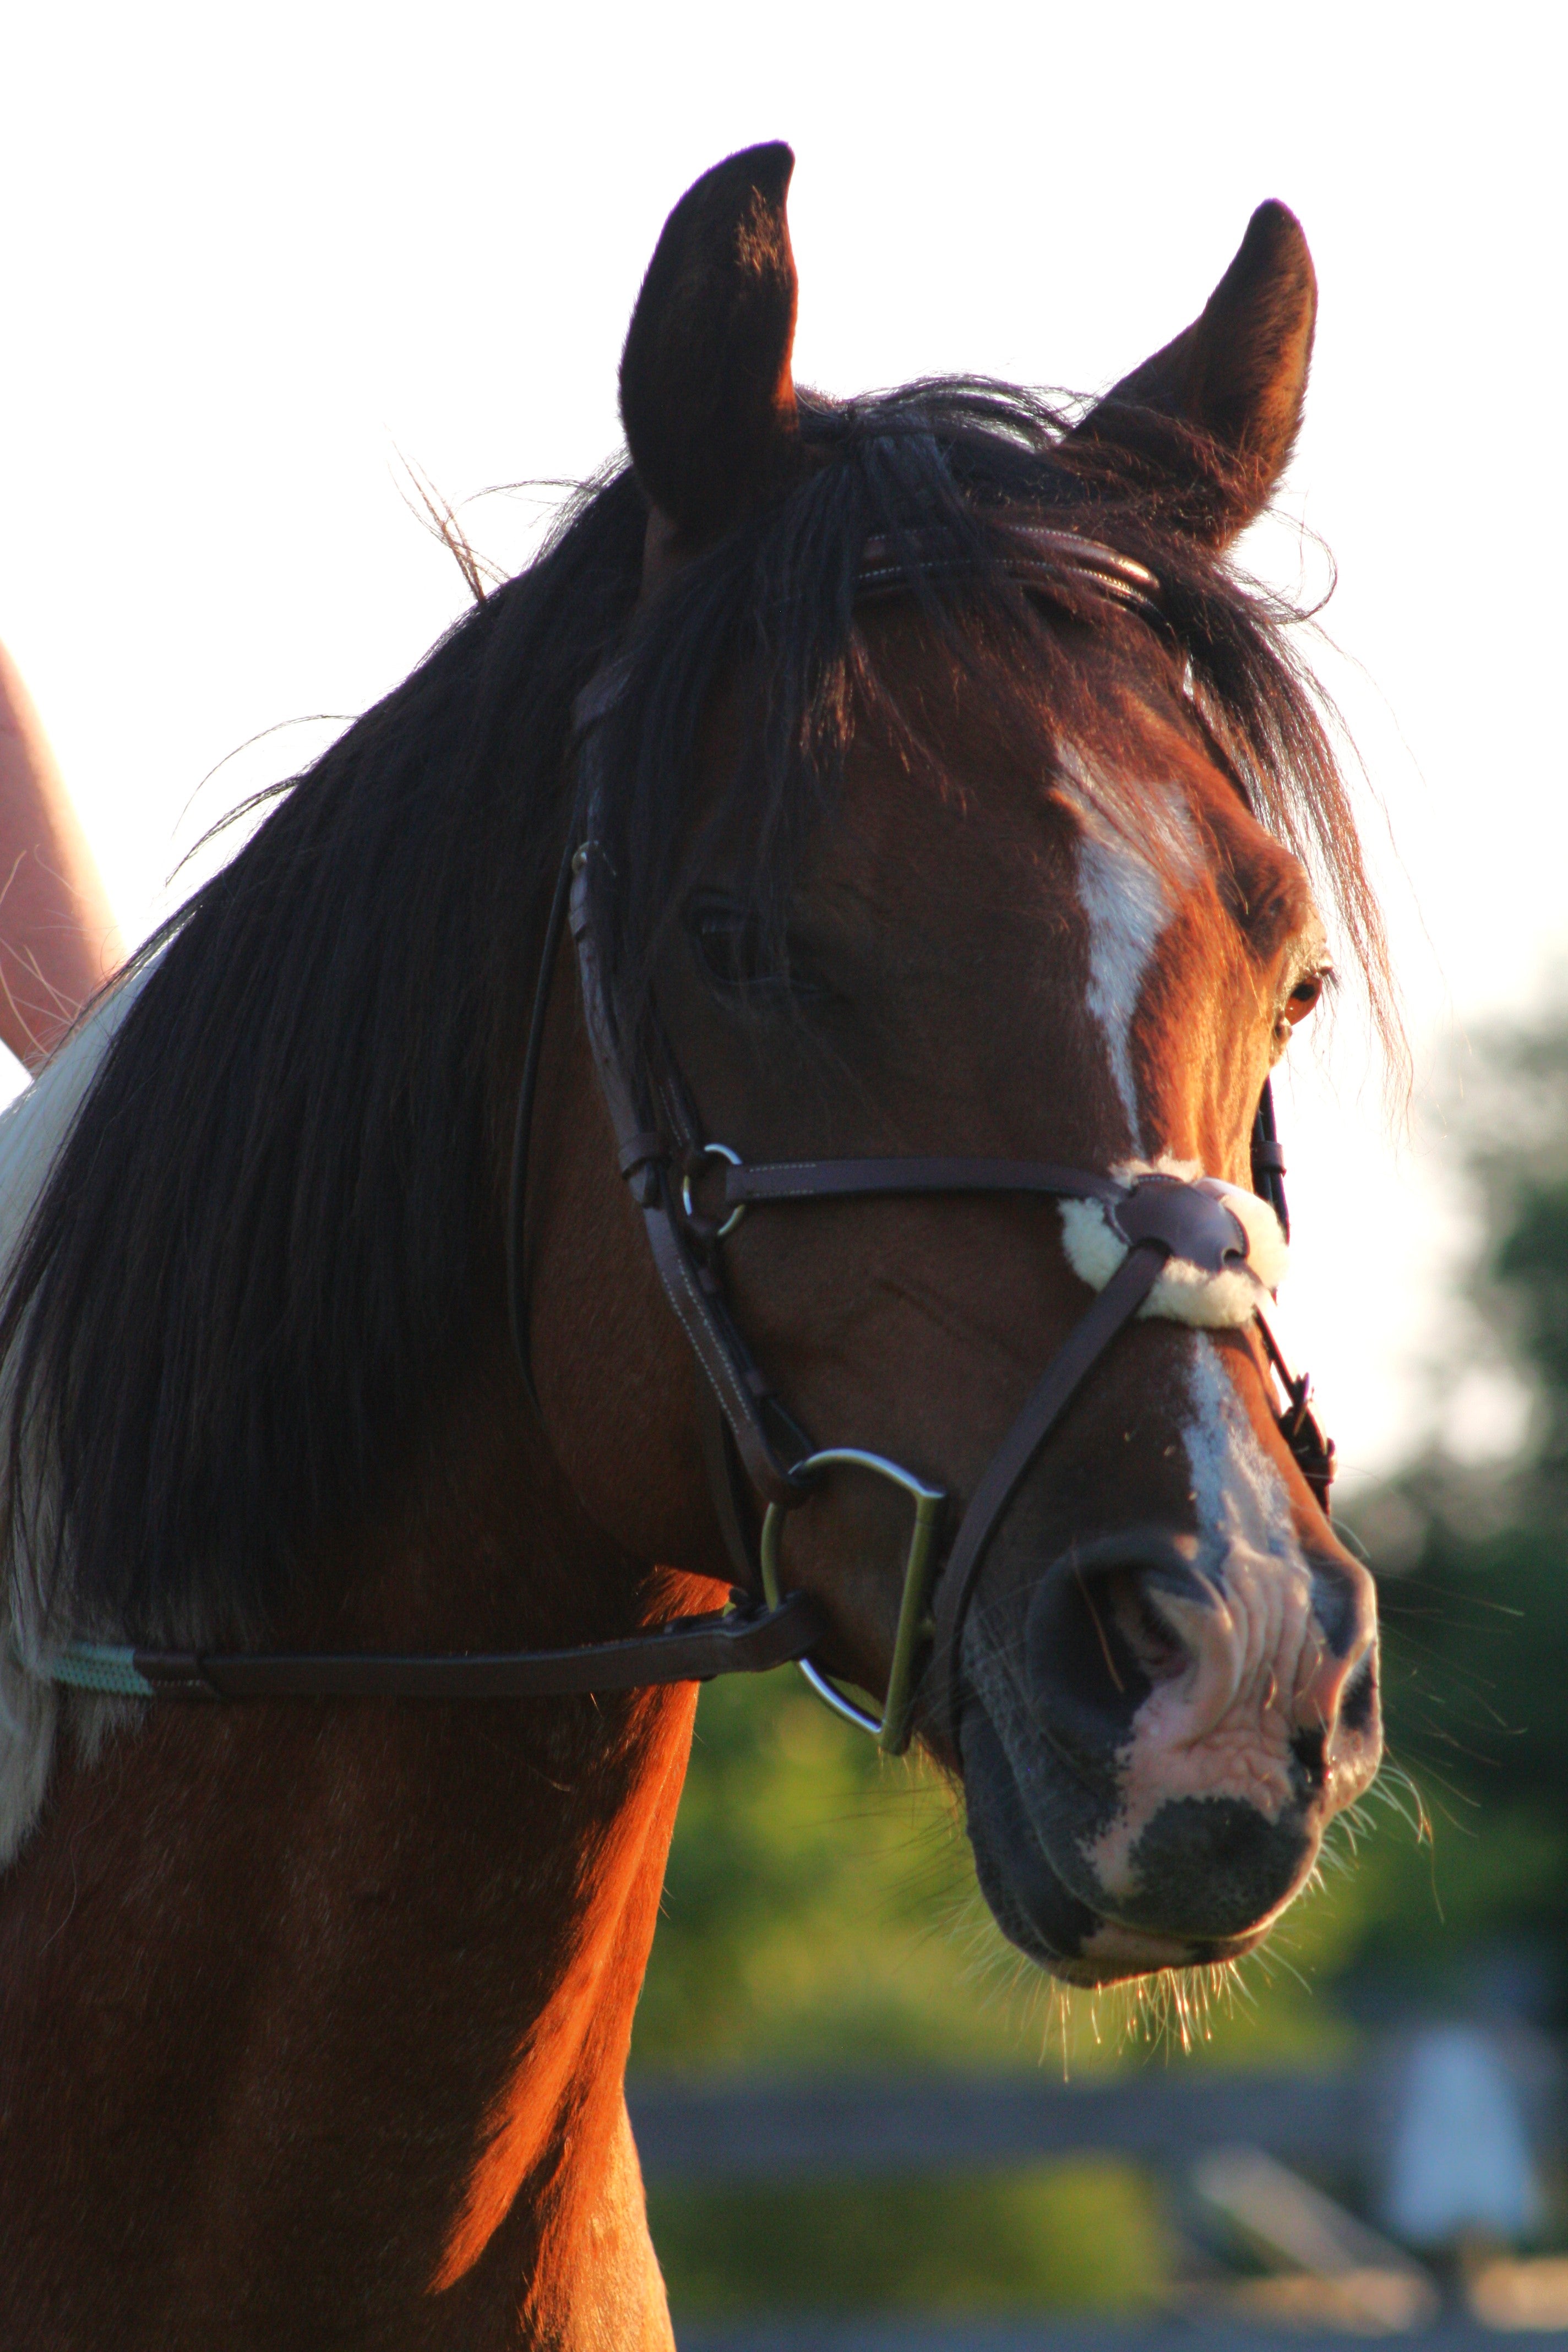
(753, 1450)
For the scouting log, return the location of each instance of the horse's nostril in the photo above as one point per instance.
(1358, 1706)
(1340, 1604)
(1311, 1749)
(1339, 1694)
(1156, 1649)
(1097, 1642)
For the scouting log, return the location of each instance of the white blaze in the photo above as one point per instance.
(1126, 907)
(1243, 1503)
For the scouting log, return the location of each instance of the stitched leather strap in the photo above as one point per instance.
(822, 1180)
(522, 1130)
(731, 1494)
(689, 1650)
(692, 1287)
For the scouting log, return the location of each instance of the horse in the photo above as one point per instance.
(903, 791)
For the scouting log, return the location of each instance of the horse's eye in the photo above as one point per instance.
(725, 938)
(740, 961)
(1303, 997)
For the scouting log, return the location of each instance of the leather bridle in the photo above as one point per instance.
(691, 1191)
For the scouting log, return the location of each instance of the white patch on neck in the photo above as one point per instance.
(1126, 907)
(31, 1135)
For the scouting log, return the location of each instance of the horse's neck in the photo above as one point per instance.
(372, 1973)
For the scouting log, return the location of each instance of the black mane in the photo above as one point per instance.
(263, 1250)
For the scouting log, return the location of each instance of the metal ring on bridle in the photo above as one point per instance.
(915, 1623)
(712, 1151)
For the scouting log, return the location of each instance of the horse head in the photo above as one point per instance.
(960, 864)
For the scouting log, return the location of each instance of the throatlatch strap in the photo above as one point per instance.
(523, 1128)
(742, 1640)
(729, 1489)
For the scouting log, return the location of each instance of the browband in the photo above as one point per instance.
(1036, 557)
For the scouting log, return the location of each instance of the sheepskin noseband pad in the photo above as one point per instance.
(1226, 1245)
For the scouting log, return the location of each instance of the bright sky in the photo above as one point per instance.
(250, 256)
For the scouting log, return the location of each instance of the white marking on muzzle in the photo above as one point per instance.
(1223, 1724)
(1185, 1293)
(1222, 1727)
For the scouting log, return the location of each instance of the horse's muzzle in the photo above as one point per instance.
(1191, 1729)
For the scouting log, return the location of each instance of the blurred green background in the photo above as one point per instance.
(821, 1914)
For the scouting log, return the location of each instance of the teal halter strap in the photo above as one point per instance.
(92, 1666)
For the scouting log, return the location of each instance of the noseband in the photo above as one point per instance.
(693, 1192)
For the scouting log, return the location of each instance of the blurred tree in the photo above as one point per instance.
(819, 1904)
(1472, 1559)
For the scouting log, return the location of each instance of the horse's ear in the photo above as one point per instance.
(1236, 376)
(707, 397)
